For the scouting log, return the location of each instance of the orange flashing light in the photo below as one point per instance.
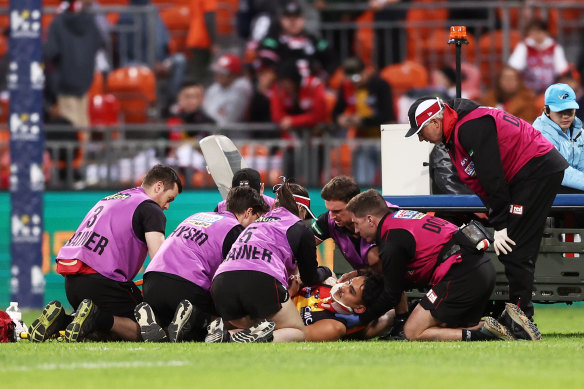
(457, 32)
(457, 35)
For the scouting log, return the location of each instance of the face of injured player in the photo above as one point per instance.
(350, 294)
(339, 214)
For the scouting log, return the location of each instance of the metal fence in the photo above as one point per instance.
(115, 157)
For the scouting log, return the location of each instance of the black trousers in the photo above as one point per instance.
(526, 230)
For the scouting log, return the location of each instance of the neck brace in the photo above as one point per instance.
(338, 306)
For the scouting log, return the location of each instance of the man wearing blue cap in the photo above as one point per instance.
(513, 169)
(559, 124)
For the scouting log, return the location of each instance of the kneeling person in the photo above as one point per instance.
(420, 250)
(179, 276)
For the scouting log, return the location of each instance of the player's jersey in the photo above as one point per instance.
(106, 241)
(194, 249)
(263, 246)
(313, 303)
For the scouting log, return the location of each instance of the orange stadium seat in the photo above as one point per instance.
(225, 15)
(404, 76)
(491, 52)
(417, 27)
(177, 19)
(364, 38)
(135, 88)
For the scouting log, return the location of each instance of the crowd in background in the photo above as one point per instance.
(279, 70)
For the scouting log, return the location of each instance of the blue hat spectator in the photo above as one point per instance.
(560, 97)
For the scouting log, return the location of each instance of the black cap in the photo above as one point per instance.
(247, 176)
(292, 9)
(421, 111)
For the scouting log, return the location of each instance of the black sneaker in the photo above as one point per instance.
(260, 333)
(52, 319)
(83, 323)
(149, 328)
(216, 333)
(495, 330)
(519, 325)
(181, 323)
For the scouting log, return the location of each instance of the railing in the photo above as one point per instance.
(116, 157)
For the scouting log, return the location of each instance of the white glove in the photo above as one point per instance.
(502, 242)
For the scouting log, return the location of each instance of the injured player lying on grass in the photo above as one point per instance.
(330, 311)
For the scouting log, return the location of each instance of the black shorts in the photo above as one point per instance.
(243, 293)
(460, 298)
(114, 297)
(165, 291)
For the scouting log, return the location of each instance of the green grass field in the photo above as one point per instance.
(555, 362)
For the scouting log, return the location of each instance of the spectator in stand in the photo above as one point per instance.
(539, 57)
(188, 110)
(559, 124)
(259, 107)
(228, 97)
(170, 69)
(201, 39)
(364, 102)
(290, 41)
(296, 103)
(511, 95)
(70, 50)
(444, 81)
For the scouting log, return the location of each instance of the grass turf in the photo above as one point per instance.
(555, 362)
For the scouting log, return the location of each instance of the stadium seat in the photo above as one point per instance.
(135, 89)
(491, 53)
(404, 76)
(364, 38)
(226, 10)
(104, 110)
(3, 45)
(420, 26)
(177, 19)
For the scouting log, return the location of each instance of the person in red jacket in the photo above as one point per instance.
(296, 102)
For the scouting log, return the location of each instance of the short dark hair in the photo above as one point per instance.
(373, 287)
(340, 188)
(240, 198)
(163, 173)
(247, 176)
(536, 24)
(370, 202)
(288, 70)
(191, 84)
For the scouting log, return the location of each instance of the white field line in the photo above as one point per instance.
(93, 365)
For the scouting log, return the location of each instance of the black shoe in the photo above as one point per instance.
(83, 323)
(216, 333)
(495, 330)
(260, 333)
(181, 325)
(520, 326)
(52, 319)
(149, 328)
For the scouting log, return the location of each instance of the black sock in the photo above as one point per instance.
(474, 335)
(104, 321)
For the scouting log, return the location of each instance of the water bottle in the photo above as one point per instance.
(16, 315)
